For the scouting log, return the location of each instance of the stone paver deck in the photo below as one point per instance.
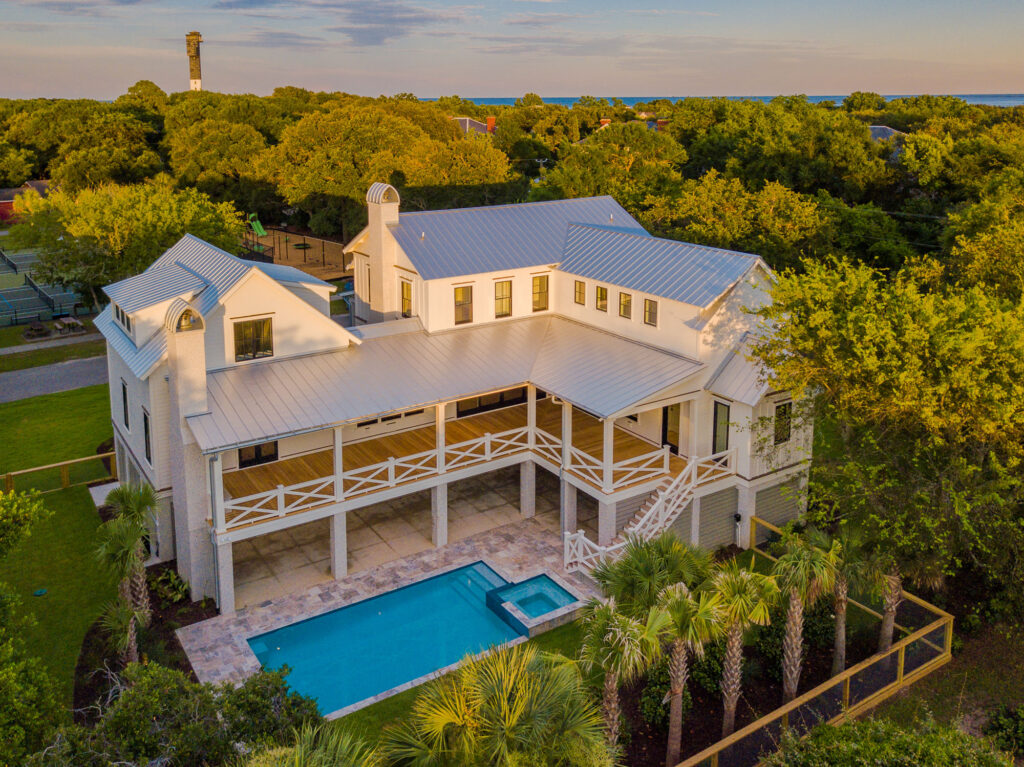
(219, 652)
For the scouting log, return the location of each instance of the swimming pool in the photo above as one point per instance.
(361, 650)
(536, 596)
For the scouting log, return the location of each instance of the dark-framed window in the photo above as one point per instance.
(720, 428)
(254, 455)
(463, 304)
(580, 295)
(124, 404)
(491, 401)
(406, 288)
(601, 298)
(503, 298)
(650, 312)
(540, 293)
(254, 339)
(147, 439)
(625, 305)
(783, 422)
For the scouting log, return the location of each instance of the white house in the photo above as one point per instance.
(558, 335)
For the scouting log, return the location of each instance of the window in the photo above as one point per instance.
(503, 298)
(581, 293)
(254, 339)
(254, 455)
(720, 429)
(625, 305)
(490, 401)
(540, 293)
(406, 288)
(783, 422)
(601, 297)
(122, 317)
(650, 312)
(146, 437)
(124, 403)
(463, 304)
(189, 320)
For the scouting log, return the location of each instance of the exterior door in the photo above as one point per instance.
(670, 427)
(720, 428)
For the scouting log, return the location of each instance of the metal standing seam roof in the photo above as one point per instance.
(153, 286)
(284, 273)
(452, 243)
(739, 378)
(681, 271)
(592, 369)
(218, 268)
(140, 361)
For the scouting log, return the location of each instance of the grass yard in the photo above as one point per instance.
(59, 556)
(988, 672)
(54, 354)
(372, 719)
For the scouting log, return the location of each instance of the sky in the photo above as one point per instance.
(477, 48)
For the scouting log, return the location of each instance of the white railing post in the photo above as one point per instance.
(487, 446)
(531, 415)
(566, 435)
(391, 471)
(666, 458)
(217, 493)
(339, 486)
(439, 433)
(608, 455)
(280, 500)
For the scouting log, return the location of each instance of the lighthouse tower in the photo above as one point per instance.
(195, 74)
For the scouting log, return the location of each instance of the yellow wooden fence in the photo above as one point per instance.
(58, 476)
(861, 687)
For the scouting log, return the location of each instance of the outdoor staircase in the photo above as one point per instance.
(655, 515)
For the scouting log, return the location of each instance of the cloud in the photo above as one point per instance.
(562, 45)
(277, 38)
(671, 12)
(540, 19)
(375, 22)
(79, 7)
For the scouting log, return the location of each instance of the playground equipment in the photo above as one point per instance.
(257, 227)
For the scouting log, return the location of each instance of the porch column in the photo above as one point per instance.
(527, 489)
(694, 406)
(339, 467)
(568, 504)
(695, 521)
(217, 493)
(439, 514)
(605, 522)
(225, 579)
(745, 508)
(339, 545)
(566, 435)
(439, 435)
(609, 454)
(531, 415)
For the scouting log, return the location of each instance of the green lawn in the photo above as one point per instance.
(372, 719)
(59, 556)
(54, 354)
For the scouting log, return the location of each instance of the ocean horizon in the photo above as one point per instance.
(988, 99)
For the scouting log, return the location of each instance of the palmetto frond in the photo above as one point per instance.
(619, 643)
(118, 546)
(695, 618)
(134, 501)
(806, 569)
(329, 745)
(745, 597)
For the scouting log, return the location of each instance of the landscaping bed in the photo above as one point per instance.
(157, 643)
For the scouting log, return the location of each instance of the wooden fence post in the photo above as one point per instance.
(9, 482)
(846, 693)
(65, 476)
(901, 656)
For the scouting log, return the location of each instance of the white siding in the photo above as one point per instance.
(717, 518)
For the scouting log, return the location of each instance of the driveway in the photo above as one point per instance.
(47, 379)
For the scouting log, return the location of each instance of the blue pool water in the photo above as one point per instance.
(535, 597)
(358, 651)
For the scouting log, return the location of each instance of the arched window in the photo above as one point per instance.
(189, 320)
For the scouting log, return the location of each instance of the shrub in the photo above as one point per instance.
(707, 671)
(652, 709)
(263, 710)
(169, 587)
(1006, 727)
(883, 743)
(819, 633)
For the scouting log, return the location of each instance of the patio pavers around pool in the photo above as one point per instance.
(219, 652)
(271, 566)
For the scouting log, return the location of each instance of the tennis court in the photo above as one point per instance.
(20, 261)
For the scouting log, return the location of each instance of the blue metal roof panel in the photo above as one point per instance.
(451, 243)
(681, 271)
(140, 361)
(153, 286)
(284, 273)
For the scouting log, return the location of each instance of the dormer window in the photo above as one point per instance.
(254, 339)
(123, 319)
(188, 320)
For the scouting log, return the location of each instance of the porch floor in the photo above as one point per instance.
(270, 566)
(587, 435)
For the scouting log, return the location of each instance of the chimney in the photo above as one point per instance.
(382, 203)
(186, 352)
(606, 121)
(491, 121)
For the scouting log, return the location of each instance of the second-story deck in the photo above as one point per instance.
(259, 493)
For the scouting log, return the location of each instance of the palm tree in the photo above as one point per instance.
(513, 703)
(892, 595)
(636, 578)
(622, 647)
(120, 623)
(138, 503)
(326, 745)
(118, 550)
(745, 600)
(859, 568)
(694, 620)
(804, 572)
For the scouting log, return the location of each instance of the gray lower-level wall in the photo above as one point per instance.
(683, 526)
(777, 504)
(717, 518)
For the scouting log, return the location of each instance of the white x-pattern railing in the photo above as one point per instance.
(582, 553)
